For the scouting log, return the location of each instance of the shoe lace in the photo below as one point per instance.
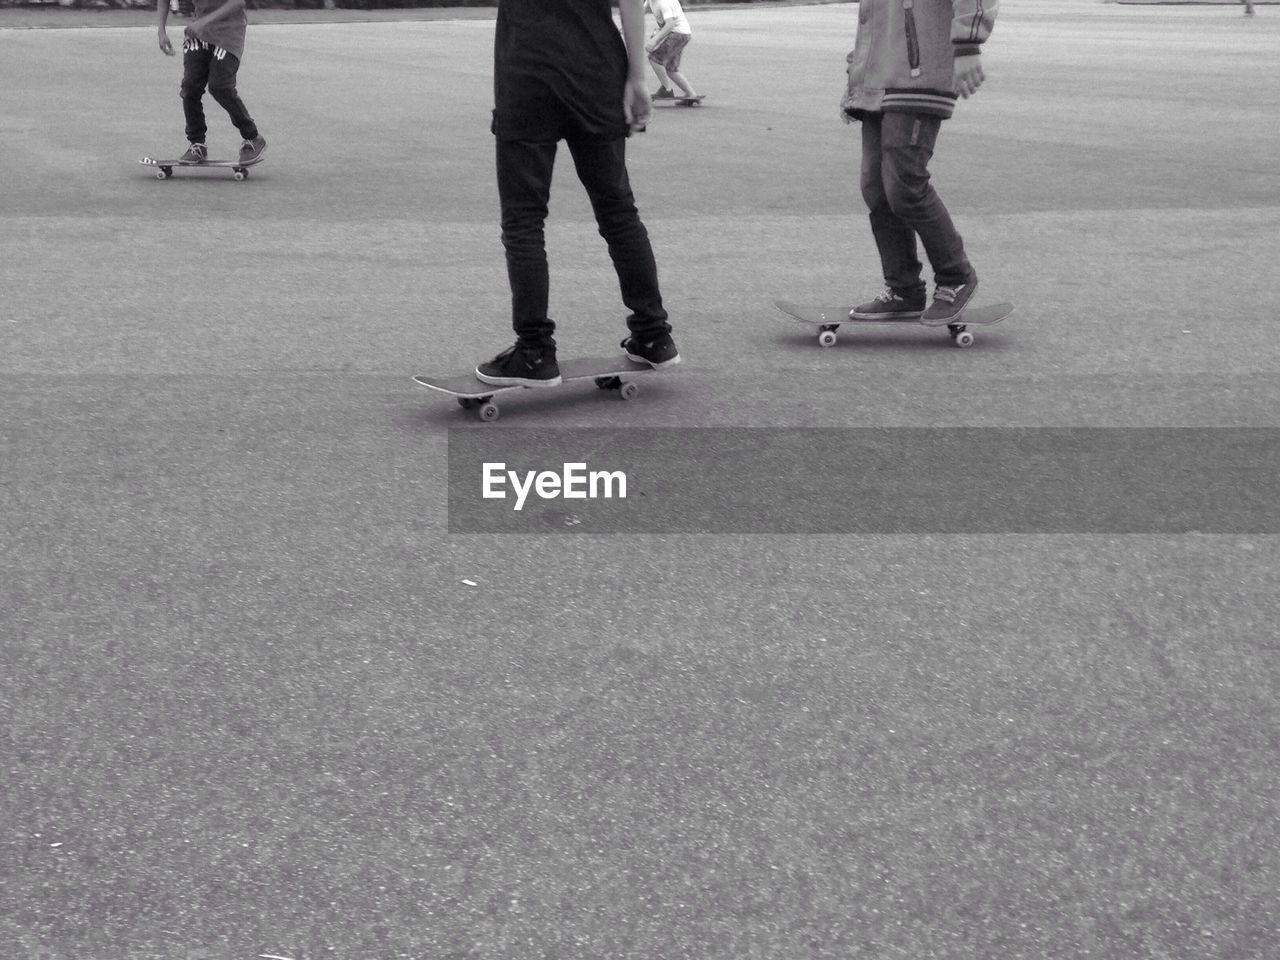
(886, 296)
(530, 357)
(948, 294)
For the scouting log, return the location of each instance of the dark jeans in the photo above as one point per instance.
(524, 187)
(201, 68)
(896, 149)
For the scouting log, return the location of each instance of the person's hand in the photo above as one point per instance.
(193, 28)
(636, 105)
(165, 46)
(968, 75)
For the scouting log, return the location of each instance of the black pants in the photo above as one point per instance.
(896, 150)
(205, 66)
(524, 187)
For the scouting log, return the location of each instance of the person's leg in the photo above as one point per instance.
(222, 87)
(907, 142)
(664, 81)
(524, 188)
(602, 168)
(195, 77)
(895, 240)
(674, 56)
(682, 86)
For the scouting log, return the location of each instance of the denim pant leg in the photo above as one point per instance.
(524, 188)
(602, 168)
(222, 87)
(195, 77)
(897, 148)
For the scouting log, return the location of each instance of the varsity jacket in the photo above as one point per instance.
(904, 55)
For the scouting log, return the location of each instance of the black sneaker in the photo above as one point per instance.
(196, 153)
(251, 150)
(519, 366)
(889, 305)
(662, 93)
(658, 353)
(949, 303)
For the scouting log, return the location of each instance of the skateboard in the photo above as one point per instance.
(609, 373)
(829, 319)
(166, 166)
(683, 101)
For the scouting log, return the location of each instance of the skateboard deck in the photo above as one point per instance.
(609, 373)
(165, 167)
(829, 319)
(684, 101)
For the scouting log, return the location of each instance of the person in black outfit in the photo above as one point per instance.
(562, 72)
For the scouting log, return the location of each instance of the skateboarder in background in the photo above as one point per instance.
(908, 65)
(562, 72)
(211, 50)
(666, 47)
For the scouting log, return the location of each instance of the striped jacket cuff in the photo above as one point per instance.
(936, 102)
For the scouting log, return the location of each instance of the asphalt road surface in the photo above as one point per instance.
(259, 700)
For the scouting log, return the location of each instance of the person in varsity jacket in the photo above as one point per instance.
(910, 61)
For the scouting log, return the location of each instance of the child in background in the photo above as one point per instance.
(666, 47)
(211, 52)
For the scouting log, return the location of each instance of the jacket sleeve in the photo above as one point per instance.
(972, 25)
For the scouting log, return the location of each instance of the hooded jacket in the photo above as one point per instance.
(903, 59)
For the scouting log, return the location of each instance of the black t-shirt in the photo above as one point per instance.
(559, 70)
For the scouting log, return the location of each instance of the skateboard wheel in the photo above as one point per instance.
(241, 174)
(488, 412)
(827, 338)
(963, 338)
(629, 391)
(164, 173)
